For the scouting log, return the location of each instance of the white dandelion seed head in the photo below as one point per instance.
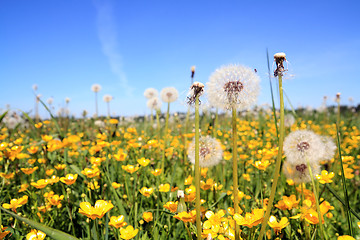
(154, 103)
(150, 93)
(280, 55)
(330, 148)
(302, 146)
(107, 98)
(289, 120)
(50, 100)
(11, 122)
(210, 151)
(67, 99)
(99, 123)
(233, 86)
(96, 87)
(169, 94)
(299, 172)
(35, 87)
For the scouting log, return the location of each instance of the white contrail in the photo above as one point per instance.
(108, 37)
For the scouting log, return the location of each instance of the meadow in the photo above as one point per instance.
(120, 178)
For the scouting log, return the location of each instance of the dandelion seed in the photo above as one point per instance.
(150, 93)
(299, 171)
(169, 94)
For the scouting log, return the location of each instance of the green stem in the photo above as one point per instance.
(197, 170)
(165, 138)
(316, 200)
(235, 170)
(348, 216)
(278, 162)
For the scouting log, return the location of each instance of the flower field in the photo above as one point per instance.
(111, 178)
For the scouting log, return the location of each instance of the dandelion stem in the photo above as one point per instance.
(235, 170)
(165, 138)
(278, 162)
(197, 169)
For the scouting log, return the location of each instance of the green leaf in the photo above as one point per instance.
(3, 115)
(50, 232)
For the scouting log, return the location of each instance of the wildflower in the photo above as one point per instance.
(107, 98)
(130, 168)
(129, 232)
(146, 191)
(206, 185)
(69, 179)
(345, 237)
(330, 148)
(251, 219)
(118, 221)
(35, 235)
(171, 206)
(23, 187)
(302, 146)
(3, 233)
(93, 185)
(261, 165)
(28, 171)
(299, 172)
(287, 202)
(214, 220)
(233, 86)
(120, 156)
(188, 180)
(147, 216)
(56, 200)
(60, 166)
(164, 187)
(116, 185)
(98, 211)
(210, 151)
(150, 93)
(143, 161)
(40, 183)
(16, 203)
(325, 177)
(91, 172)
(156, 172)
(277, 226)
(33, 149)
(186, 216)
(169, 94)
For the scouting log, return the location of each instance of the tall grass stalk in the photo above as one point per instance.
(348, 216)
(165, 137)
(197, 169)
(278, 162)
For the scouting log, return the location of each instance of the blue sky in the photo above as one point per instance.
(127, 46)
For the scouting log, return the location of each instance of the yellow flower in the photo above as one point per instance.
(56, 200)
(277, 226)
(38, 125)
(186, 216)
(206, 185)
(16, 203)
(325, 177)
(120, 156)
(156, 172)
(93, 185)
(188, 180)
(116, 185)
(214, 220)
(171, 206)
(261, 165)
(7, 176)
(3, 233)
(117, 222)
(33, 149)
(40, 183)
(35, 235)
(23, 187)
(246, 177)
(164, 187)
(128, 233)
(91, 172)
(345, 237)
(147, 216)
(287, 202)
(98, 211)
(60, 167)
(69, 179)
(28, 171)
(143, 162)
(49, 172)
(130, 168)
(251, 219)
(146, 191)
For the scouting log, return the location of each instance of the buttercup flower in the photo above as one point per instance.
(325, 177)
(35, 235)
(128, 233)
(98, 211)
(277, 226)
(233, 86)
(210, 151)
(117, 222)
(147, 216)
(69, 179)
